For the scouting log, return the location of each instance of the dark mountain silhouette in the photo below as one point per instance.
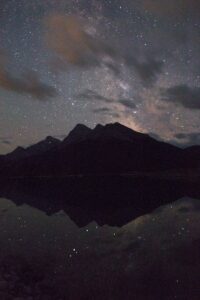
(43, 146)
(112, 200)
(78, 134)
(192, 156)
(109, 149)
(18, 153)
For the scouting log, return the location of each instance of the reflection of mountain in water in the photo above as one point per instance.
(112, 200)
(156, 256)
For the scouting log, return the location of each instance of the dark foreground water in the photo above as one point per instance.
(154, 256)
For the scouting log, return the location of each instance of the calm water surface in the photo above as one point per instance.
(50, 257)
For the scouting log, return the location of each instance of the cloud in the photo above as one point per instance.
(180, 136)
(189, 138)
(113, 109)
(92, 95)
(73, 43)
(69, 38)
(127, 103)
(101, 110)
(106, 111)
(5, 140)
(172, 8)
(29, 83)
(147, 70)
(188, 97)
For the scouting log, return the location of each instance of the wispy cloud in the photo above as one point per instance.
(184, 95)
(69, 39)
(148, 69)
(129, 103)
(7, 140)
(73, 44)
(191, 138)
(106, 111)
(28, 83)
(171, 8)
(92, 95)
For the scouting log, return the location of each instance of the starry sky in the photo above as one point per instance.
(64, 62)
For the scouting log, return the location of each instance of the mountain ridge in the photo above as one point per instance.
(110, 148)
(81, 132)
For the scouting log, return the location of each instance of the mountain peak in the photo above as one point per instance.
(77, 134)
(51, 140)
(116, 124)
(80, 126)
(17, 153)
(20, 148)
(115, 130)
(119, 126)
(98, 126)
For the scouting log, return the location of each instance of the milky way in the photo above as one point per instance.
(71, 61)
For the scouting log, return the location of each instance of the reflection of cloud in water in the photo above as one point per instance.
(128, 253)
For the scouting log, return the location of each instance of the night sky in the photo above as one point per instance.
(64, 62)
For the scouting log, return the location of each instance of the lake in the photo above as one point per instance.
(68, 254)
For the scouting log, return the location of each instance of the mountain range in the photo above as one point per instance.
(108, 149)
